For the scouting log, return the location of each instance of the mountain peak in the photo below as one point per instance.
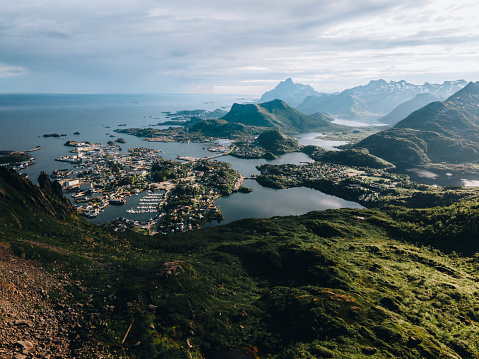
(376, 98)
(379, 82)
(275, 114)
(465, 94)
(291, 93)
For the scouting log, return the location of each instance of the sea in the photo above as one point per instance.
(25, 118)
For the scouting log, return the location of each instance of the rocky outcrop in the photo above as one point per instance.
(17, 191)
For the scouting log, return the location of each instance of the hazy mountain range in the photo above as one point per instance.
(404, 109)
(434, 132)
(376, 99)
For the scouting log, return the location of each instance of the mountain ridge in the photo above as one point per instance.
(291, 93)
(276, 114)
(404, 109)
(376, 98)
(439, 132)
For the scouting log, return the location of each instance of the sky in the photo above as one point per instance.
(232, 47)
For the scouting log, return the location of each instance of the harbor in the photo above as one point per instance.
(169, 196)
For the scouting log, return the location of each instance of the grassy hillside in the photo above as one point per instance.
(439, 132)
(405, 109)
(277, 143)
(278, 115)
(353, 157)
(331, 284)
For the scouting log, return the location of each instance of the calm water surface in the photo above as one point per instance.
(266, 202)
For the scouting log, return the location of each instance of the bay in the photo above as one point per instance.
(25, 118)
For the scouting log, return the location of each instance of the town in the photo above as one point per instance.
(179, 195)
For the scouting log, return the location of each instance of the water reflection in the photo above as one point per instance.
(442, 178)
(247, 167)
(314, 138)
(266, 202)
(357, 123)
(466, 182)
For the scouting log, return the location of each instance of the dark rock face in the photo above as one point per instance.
(44, 182)
(50, 187)
(20, 192)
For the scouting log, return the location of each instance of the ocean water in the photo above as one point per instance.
(25, 118)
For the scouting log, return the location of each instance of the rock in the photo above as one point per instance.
(25, 344)
(23, 322)
(19, 356)
(414, 341)
(369, 350)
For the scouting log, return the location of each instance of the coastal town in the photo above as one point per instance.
(178, 195)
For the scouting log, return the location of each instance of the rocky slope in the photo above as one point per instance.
(46, 198)
(37, 317)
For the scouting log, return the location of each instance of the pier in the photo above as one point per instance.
(32, 150)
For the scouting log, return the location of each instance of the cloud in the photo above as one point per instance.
(135, 45)
(11, 71)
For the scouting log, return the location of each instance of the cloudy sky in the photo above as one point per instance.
(238, 47)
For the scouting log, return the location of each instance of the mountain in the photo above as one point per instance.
(277, 114)
(289, 92)
(353, 157)
(349, 283)
(376, 98)
(222, 128)
(439, 132)
(277, 143)
(406, 108)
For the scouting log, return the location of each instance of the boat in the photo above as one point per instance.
(117, 201)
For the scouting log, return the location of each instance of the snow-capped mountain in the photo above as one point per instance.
(377, 98)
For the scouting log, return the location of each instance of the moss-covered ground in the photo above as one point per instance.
(344, 283)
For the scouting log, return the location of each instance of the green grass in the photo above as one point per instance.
(330, 284)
